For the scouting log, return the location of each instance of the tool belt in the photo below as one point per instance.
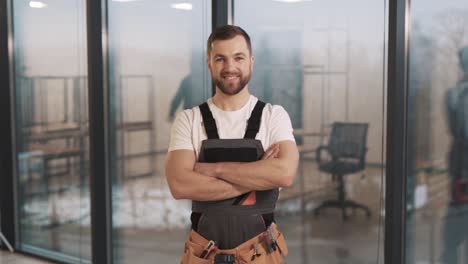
(267, 247)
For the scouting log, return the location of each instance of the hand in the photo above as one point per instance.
(207, 169)
(272, 152)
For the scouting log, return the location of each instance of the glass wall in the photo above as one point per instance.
(437, 193)
(52, 128)
(157, 68)
(324, 62)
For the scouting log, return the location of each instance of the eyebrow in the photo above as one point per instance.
(240, 54)
(236, 54)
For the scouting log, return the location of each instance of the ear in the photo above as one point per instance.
(252, 60)
(208, 62)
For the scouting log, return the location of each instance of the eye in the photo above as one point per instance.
(239, 58)
(219, 59)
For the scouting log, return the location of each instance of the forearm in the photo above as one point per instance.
(258, 175)
(195, 186)
(276, 168)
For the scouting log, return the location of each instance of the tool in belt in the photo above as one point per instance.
(269, 242)
(208, 249)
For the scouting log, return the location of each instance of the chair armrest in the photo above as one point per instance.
(318, 155)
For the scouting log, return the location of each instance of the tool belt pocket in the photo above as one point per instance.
(260, 253)
(192, 252)
(277, 256)
(281, 242)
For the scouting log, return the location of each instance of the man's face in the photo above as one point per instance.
(230, 64)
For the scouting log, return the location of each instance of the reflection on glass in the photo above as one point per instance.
(319, 59)
(437, 193)
(52, 129)
(157, 53)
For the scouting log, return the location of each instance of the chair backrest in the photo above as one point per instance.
(348, 140)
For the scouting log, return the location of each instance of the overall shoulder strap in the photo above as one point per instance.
(253, 125)
(209, 122)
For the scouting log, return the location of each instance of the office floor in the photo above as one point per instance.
(12, 258)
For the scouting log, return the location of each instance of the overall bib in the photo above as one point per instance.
(241, 227)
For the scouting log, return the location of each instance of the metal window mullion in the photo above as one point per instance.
(98, 93)
(397, 110)
(7, 155)
(230, 14)
(220, 13)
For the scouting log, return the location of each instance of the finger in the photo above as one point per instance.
(195, 167)
(267, 154)
(277, 147)
(271, 147)
(275, 153)
(271, 153)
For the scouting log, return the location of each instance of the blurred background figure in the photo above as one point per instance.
(456, 230)
(184, 94)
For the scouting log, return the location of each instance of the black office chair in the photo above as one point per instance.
(347, 149)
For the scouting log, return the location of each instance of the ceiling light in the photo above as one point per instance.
(37, 4)
(292, 1)
(125, 1)
(182, 6)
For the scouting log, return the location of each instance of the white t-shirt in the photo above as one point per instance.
(188, 131)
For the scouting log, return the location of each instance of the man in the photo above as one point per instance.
(216, 159)
(455, 230)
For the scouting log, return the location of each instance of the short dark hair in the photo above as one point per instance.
(228, 32)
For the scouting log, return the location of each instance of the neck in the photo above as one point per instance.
(231, 102)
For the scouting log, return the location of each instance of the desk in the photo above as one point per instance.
(56, 131)
(304, 132)
(49, 152)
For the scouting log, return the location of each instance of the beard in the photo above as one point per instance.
(231, 88)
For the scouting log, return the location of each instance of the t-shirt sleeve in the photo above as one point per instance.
(181, 132)
(280, 124)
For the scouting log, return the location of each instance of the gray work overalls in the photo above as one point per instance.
(228, 222)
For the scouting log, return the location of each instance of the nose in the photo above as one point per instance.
(229, 65)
